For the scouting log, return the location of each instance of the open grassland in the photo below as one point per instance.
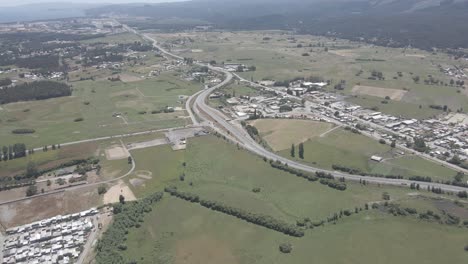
(96, 102)
(156, 168)
(281, 133)
(395, 108)
(341, 147)
(279, 56)
(177, 231)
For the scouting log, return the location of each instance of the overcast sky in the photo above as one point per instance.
(22, 2)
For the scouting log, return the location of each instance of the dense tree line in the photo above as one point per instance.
(38, 90)
(46, 63)
(356, 171)
(21, 131)
(251, 217)
(127, 215)
(325, 178)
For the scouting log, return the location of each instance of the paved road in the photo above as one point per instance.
(238, 135)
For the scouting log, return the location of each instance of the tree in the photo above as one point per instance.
(293, 151)
(301, 150)
(420, 145)
(121, 199)
(102, 189)
(386, 196)
(31, 170)
(285, 248)
(32, 190)
(393, 144)
(129, 160)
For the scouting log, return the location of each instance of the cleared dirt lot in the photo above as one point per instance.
(116, 152)
(394, 94)
(281, 133)
(112, 195)
(39, 208)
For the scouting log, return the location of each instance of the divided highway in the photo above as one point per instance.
(239, 135)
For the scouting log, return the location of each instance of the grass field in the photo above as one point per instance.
(281, 133)
(95, 102)
(278, 56)
(344, 148)
(180, 232)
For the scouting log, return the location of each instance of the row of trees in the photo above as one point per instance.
(38, 90)
(300, 151)
(15, 151)
(251, 217)
(325, 178)
(127, 215)
(356, 171)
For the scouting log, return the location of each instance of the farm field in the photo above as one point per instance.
(279, 55)
(281, 133)
(177, 231)
(55, 120)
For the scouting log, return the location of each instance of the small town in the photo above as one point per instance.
(59, 239)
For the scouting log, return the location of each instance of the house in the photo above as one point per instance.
(376, 158)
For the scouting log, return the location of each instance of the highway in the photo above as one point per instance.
(239, 135)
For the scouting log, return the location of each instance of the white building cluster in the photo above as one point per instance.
(59, 239)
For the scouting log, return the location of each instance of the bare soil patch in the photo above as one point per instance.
(281, 133)
(116, 152)
(394, 94)
(43, 207)
(344, 53)
(203, 250)
(416, 55)
(112, 195)
(147, 175)
(136, 182)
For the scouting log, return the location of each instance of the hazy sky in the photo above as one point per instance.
(22, 2)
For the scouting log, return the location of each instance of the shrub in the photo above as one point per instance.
(285, 248)
(102, 189)
(256, 190)
(32, 190)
